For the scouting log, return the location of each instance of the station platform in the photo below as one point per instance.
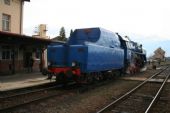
(17, 81)
(143, 79)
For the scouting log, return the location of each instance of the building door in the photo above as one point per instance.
(26, 58)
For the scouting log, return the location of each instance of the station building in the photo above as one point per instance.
(17, 49)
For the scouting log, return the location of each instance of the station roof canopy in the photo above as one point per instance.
(26, 0)
(17, 39)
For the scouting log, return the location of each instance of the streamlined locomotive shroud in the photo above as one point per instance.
(91, 53)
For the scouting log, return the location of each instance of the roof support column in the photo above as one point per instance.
(13, 60)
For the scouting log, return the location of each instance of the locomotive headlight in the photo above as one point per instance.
(73, 64)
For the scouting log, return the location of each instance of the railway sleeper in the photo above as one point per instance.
(164, 99)
(144, 96)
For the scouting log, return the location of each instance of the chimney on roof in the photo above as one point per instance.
(41, 31)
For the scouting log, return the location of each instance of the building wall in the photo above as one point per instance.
(4, 66)
(19, 61)
(14, 10)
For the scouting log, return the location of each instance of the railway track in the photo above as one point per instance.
(22, 98)
(163, 103)
(13, 92)
(140, 99)
(8, 103)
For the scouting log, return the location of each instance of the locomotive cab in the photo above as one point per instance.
(135, 55)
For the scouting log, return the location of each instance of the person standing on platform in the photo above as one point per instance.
(31, 63)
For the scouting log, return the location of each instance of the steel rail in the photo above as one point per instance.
(29, 92)
(3, 110)
(10, 108)
(129, 92)
(157, 95)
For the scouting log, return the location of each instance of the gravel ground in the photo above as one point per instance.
(163, 104)
(87, 102)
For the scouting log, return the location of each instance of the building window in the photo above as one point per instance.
(6, 22)
(7, 2)
(6, 53)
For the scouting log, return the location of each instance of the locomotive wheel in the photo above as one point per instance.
(120, 72)
(95, 76)
(100, 76)
(61, 78)
(89, 78)
(105, 75)
(112, 75)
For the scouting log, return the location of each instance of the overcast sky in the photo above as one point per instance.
(142, 20)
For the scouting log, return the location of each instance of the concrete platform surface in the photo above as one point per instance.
(143, 79)
(17, 81)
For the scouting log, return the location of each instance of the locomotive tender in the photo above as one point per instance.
(94, 53)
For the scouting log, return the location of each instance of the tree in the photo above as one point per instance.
(62, 32)
(62, 35)
(71, 32)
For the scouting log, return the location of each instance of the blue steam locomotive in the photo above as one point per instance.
(94, 54)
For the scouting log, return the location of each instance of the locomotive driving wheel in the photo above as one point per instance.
(89, 78)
